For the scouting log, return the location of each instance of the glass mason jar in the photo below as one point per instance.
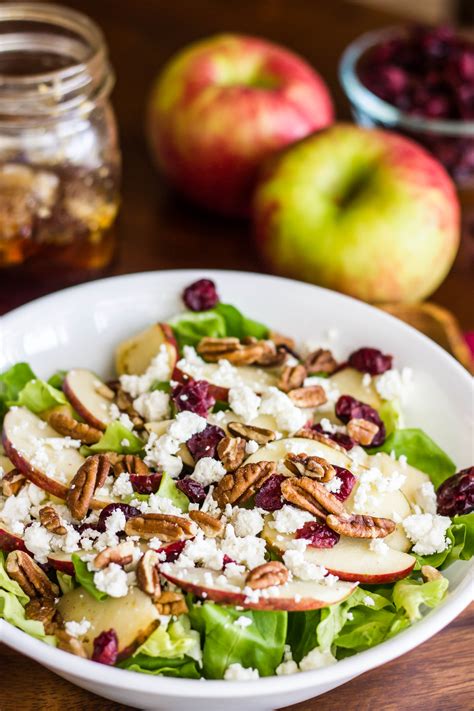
(59, 154)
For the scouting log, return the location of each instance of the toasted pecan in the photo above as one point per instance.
(70, 644)
(292, 377)
(312, 466)
(241, 485)
(299, 493)
(131, 464)
(360, 526)
(166, 527)
(122, 554)
(249, 352)
(89, 477)
(362, 431)
(12, 482)
(429, 573)
(312, 396)
(30, 577)
(231, 451)
(320, 361)
(148, 576)
(51, 520)
(43, 609)
(267, 575)
(63, 422)
(260, 435)
(211, 525)
(171, 603)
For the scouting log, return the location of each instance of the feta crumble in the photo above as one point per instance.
(77, 629)
(112, 580)
(208, 471)
(236, 672)
(289, 519)
(244, 402)
(426, 498)
(288, 417)
(158, 370)
(154, 406)
(393, 384)
(317, 659)
(243, 621)
(297, 564)
(428, 532)
(378, 546)
(247, 522)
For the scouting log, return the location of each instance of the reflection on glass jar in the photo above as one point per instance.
(59, 155)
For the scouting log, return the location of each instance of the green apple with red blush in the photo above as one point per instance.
(362, 211)
(222, 105)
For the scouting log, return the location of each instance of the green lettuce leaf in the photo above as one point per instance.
(169, 490)
(409, 595)
(116, 438)
(219, 322)
(421, 452)
(301, 634)
(391, 415)
(367, 628)
(259, 645)
(65, 581)
(38, 396)
(85, 577)
(183, 667)
(12, 382)
(57, 379)
(9, 585)
(461, 547)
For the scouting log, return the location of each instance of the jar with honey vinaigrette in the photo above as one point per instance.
(59, 153)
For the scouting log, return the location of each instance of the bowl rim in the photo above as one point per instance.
(382, 111)
(334, 675)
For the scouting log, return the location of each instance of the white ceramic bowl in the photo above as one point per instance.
(81, 326)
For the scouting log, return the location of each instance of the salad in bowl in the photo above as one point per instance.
(231, 505)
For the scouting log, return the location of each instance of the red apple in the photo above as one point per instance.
(365, 212)
(133, 356)
(10, 541)
(222, 105)
(84, 390)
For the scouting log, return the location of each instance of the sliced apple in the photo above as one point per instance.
(23, 435)
(161, 428)
(278, 450)
(256, 378)
(350, 559)
(350, 382)
(133, 356)
(83, 389)
(414, 477)
(133, 617)
(5, 464)
(294, 595)
(10, 541)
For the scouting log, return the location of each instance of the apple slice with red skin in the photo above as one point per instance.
(278, 450)
(22, 430)
(10, 541)
(296, 595)
(350, 559)
(82, 389)
(133, 617)
(133, 356)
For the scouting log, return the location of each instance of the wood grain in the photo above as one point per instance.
(158, 230)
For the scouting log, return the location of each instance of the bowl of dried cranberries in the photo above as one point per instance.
(418, 81)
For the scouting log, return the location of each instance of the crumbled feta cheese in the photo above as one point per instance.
(243, 621)
(236, 672)
(297, 563)
(247, 522)
(185, 425)
(159, 369)
(428, 532)
(125, 442)
(112, 580)
(330, 427)
(366, 380)
(317, 659)
(288, 665)
(154, 406)
(208, 471)
(122, 486)
(373, 484)
(392, 384)
(247, 550)
(369, 601)
(77, 629)
(379, 546)
(204, 551)
(37, 540)
(251, 447)
(115, 521)
(289, 519)
(334, 485)
(244, 402)
(426, 498)
(288, 417)
(121, 417)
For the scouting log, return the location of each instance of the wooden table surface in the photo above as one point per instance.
(158, 230)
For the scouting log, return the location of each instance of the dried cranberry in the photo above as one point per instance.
(195, 492)
(106, 647)
(348, 408)
(455, 496)
(268, 497)
(201, 295)
(340, 438)
(370, 360)
(193, 396)
(318, 534)
(127, 510)
(145, 483)
(226, 561)
(204, 444)
(348, 482)
(172, 550)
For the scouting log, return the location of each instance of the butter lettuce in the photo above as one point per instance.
(409, 595)
(258, 645)
(57, 379)
(85, 577)
(421, 452)
(116, 438)
(169, 490)
(221, 321)
(461, 544)
(38, 396)
(12, 382)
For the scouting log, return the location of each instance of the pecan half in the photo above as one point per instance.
(292, 376)
(148, 575)
(239, 487)
(428, 573)
(231, 451)
(163, 526)
(312, 466)
(124, 403)
(211, 525)
(43, 610)
(70, 644)
(121, 555)
(362, 431)
(280, 340)
(12, 482)
(320, 361)
(131, 464)
(308, 433)
(298, 492)
(213, 349)
(90, 476)
(249, 352)
(260, 435)
(30, 577)
(313, 396)
(360, 526)
(171, 603)
(51, 520)
(267, 575)
(63, 422)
